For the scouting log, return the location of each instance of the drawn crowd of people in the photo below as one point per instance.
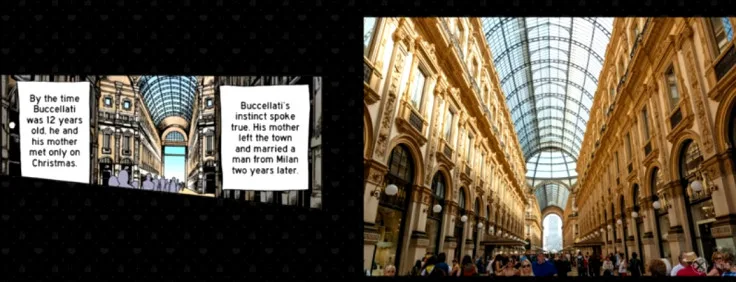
(122, 180)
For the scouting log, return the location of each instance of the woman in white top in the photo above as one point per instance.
(607, 265)
(622, 268)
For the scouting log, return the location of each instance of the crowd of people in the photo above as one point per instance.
(123, 180)
(562, 264)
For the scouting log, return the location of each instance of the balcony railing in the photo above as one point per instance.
(638, 39)
(367, 72)
(622, 80)
(676, 118)
(416, 121)
(466, 72)
(726, 63)
(447, 151)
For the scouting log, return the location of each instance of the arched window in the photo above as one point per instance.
(369, 25)
(461, 199)
(613, 227)
(732, 126)
(624, 237)
(435, 219)
(661, 217)
(638, 222)
(459, 224)
(392, 209)
(722, 32)
(698, 204)
(175, 136)
(475, 227)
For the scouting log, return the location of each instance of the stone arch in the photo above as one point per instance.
(648, 187)
(445, 171)
(468, 202)
(367, 133)
(553, 181)
(634, 193)
(679, 144)
(726, 108)
(174, 129)
(478, 206)
(553, 210)
(413, 147)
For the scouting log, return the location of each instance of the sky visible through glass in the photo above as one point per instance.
(548, 69)
(174, 162)
(552, 233)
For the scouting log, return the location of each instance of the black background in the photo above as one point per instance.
(52, 230)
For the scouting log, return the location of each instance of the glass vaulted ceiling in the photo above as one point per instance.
(549, 68)
(167, 96)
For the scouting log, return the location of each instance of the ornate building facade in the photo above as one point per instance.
(657, 163)
(533, 226)
(444, 171)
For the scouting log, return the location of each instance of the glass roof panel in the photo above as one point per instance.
(167, 96)
(549, 68)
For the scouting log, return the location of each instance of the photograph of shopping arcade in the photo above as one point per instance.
(488, 136)
(161, 133)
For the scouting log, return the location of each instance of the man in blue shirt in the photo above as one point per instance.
(541, 267)
(442, 263)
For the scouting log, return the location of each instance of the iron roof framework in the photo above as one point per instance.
(549, 68)
(167, 96)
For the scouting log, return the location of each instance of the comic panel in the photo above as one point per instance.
(249, 138)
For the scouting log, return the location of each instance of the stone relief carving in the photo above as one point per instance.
(699, 107)
(432, 147)
(388, 112)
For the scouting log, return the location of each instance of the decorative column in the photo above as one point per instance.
(117, 151)
(94, 128)
(720, 169)
(648, 242)
(677, 237)
(468, 229)
(450, 244)
(4, 127)
(419, 241)
(716, 165)
(137, 155)
(375, 173)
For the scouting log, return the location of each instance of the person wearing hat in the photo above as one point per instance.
(690, 269)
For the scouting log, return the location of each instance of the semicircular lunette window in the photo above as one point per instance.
(549, 69)
(175, 136)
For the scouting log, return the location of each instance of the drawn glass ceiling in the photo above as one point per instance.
(167, 96)
(549, 68)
